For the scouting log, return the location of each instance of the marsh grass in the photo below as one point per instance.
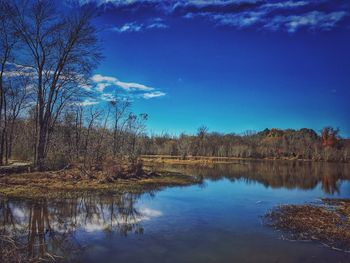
(52, 184)
(327, 222)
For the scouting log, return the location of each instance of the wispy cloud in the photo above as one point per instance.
(286, 15)
(286, 4)
(127, 89)
(313, 20)
(156, 23)
(244, 19)
(87, 102)
(102, 82)
(154, 94)
(128, 27)
(107, 97)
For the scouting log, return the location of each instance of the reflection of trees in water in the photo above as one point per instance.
(46, 228)
(275, 174)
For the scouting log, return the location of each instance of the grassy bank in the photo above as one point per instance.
(204, 160)
(53, 184)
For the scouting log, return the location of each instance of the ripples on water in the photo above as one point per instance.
(216, 221)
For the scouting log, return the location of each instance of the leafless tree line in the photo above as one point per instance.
(273, 143)
(88, 136)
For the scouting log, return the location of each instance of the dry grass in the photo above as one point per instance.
(9, 250)
(13, 251)
(203, 160)
(68, 182)
(190, 160)
(328, 222)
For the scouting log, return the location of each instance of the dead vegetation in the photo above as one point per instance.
(109, 170)
(9, 249)
(13, 251)
(203, 161)
(72, 180)
(327, 222)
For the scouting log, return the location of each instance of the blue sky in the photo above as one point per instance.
(227, 64)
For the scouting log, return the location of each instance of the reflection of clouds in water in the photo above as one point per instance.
(113, 214)
(49, 226)
(19, 213)
(148, 213)
(98, 223)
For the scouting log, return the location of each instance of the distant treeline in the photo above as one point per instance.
(269, 143)
(86, 136)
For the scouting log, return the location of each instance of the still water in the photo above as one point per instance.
(218, 220)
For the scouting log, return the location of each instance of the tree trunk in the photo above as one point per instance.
(41, 146)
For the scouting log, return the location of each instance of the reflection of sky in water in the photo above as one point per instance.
(98, 223)
(102, 218)
(216, 221)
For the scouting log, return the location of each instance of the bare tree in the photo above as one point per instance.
(7, 44)
(78, 130)
(94, 115)
(135, 128)
(17, 95)
(62, 50)
(120, 119)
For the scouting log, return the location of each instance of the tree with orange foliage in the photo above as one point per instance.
(330, 136)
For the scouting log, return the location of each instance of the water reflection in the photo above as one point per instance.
(274, 174)
(47, 228)
(59, 228)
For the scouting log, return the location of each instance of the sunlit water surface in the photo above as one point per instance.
(219, 220)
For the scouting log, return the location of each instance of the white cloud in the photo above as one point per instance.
(128, 27)
(133, 89)
(101, 86)
(103, 82)
(270, 17)
(107, 97)
(313, 20)
(154, 94)
(100, 78)
(85, 86)
(239, 20)
(155, 23)
(286, 4)
(87, 102)
(14, 70)
(288, 15)
(131, 85)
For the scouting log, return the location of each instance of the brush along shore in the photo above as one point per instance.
(72, 181)
(208, 161)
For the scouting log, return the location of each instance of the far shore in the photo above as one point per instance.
(177, 159)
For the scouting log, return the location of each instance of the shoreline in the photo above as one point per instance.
(30, 184)
(176, 159)
(52, 185)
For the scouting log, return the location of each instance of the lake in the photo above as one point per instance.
(217, 220)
